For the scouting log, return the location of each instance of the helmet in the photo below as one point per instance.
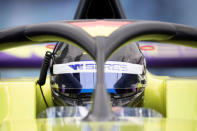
(73, 76)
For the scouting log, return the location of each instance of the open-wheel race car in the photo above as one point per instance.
(98, 79)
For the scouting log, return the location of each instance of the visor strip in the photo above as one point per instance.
(90, 67)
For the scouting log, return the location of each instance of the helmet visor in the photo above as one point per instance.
(80, 77)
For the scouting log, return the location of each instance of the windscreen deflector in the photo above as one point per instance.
(79, 112)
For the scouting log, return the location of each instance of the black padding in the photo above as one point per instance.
(83, 39)
(185, 33)
(142, 28)
(59, 29)
(136, 29)
(63, 30)
(80, 37)
(13, 35)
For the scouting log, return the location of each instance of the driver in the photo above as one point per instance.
(73, 76)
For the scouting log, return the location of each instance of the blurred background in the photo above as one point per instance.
(20, 12)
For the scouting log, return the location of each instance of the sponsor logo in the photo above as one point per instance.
(92, 67)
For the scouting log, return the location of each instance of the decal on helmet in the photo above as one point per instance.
(90, 66)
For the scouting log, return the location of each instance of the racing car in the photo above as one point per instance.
(169, 103)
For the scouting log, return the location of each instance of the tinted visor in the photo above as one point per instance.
(80, 77)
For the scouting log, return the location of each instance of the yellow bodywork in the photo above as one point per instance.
(175, 98)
